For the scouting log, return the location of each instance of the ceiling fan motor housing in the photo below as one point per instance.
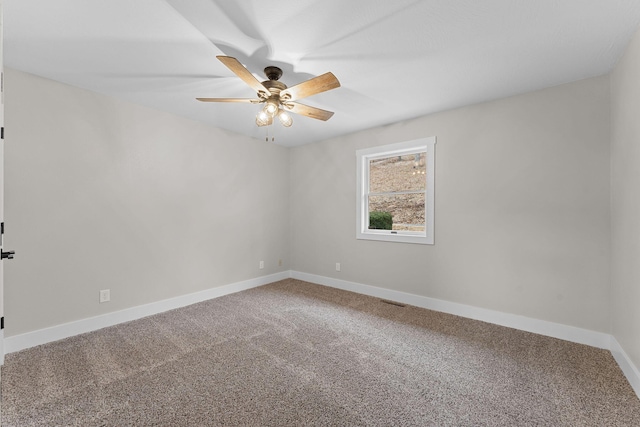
(272, 72)
(274, 86)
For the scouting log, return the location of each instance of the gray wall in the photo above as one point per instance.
(105, 194)
(625, 201)
(522, 208)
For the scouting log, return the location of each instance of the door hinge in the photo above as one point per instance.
(2, 132)
(2, 322)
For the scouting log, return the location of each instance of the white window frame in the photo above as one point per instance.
(363, 158)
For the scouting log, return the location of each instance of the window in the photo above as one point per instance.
(396, 192)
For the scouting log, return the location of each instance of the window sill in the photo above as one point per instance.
(387, 236)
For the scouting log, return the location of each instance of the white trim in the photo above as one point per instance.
(541, 327)
(628, 368)
(58, 332)
(363, 156)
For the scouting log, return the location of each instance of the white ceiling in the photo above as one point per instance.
(395, 59)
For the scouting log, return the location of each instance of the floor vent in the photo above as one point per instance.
(393, 303)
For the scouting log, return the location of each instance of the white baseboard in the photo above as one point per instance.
(58, 332)
(626, 365)
(541, 327)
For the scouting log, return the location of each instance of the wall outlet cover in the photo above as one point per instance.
(105, 295)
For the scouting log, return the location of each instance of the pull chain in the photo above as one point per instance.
(273, 138)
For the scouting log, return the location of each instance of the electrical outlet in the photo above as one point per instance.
(337, 266)
(105, 295)
(261, 265)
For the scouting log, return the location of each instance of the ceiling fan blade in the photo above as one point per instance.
(319, 84)
(305, 110)
(234, 65)
(247, 100)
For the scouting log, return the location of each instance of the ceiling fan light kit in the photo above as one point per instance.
(278, 99)
(285, 119)
(271, 107)
(264, 119)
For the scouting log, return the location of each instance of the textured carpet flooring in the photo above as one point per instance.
(294, 353)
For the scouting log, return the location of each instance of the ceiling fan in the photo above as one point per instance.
(279, 99)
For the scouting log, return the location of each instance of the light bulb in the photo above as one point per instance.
(285, 119)
(270, 108)
(263, 119)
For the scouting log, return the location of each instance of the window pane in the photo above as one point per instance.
(407, 211)
(398, 173)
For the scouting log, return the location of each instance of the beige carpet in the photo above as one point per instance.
(294, 353)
